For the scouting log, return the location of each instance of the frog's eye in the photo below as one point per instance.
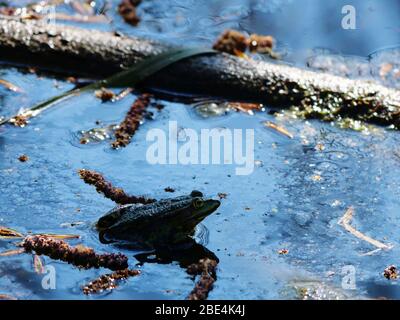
(198, 203)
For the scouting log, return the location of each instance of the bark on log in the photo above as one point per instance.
(101, 54)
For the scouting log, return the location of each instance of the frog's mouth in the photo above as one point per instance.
(202, 209)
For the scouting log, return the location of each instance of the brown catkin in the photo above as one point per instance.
(108, 281)
(207, 270)
(115, 194)
(131, 123)
(79, 256)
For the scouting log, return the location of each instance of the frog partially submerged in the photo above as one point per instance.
(163, 223)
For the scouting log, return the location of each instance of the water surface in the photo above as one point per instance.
(293, 200)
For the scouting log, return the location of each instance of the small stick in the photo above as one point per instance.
(79, 256)
(131, 123)
(12, 252)
(207, 269)
(108, 281)
(279, 129)
(345, 223)
(108, 190)
(8, 85)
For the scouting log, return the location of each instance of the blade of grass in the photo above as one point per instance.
(127, 78)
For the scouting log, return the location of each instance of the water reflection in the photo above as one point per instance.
(189, 254)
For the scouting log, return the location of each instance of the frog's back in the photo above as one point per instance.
(137, 213)
(112, 216)
(153, 211)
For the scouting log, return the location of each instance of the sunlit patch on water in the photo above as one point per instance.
(382, 66)
(202, 234)
(385, 65)
(95, 135)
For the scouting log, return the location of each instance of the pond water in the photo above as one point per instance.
(293, 200)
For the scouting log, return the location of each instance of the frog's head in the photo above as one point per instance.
(180, 216)
(193, 209)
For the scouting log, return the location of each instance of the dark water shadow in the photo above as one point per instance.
(189, 254)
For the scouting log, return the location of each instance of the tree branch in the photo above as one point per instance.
(100, 54)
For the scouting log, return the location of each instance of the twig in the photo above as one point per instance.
(79, 256)
(8, 85)
(314, 94)
(11, 252)
(115, 194)
(345, 223)
(108, 281)
(131, 123)
(207, 269)
(278, 129)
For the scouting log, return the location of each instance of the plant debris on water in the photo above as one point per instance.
(303, 176)
(108, 281)
(23, 158)
(232, 42)
(345, 223)
(283, 251)
(79, 256)
(236, 43)
(7, 233)
(278, 129)
(127, 9)
(117, 195)
(131, 123)
(391, 273)
(104, 94)
(206, 268)
(11, 252)
(8, 85)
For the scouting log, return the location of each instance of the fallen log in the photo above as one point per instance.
(100, 54)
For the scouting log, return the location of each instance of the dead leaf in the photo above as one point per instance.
(279, 129)
(7, 233)
(245, 107)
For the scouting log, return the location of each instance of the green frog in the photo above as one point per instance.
(163, 223)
